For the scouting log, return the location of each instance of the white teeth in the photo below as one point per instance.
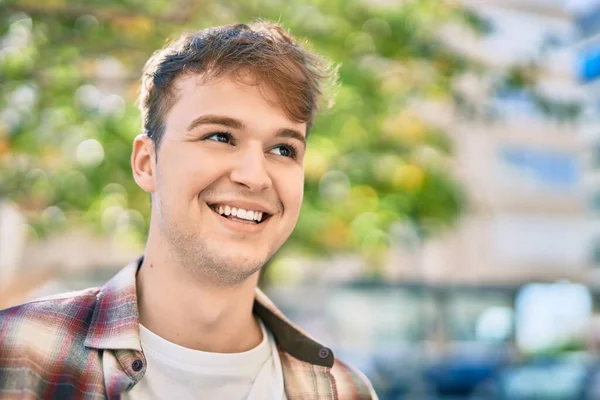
(239, 212)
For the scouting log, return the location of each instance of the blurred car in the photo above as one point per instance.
(551, 377)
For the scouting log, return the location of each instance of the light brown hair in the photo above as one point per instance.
(262, 50)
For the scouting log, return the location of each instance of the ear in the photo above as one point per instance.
(143, 163)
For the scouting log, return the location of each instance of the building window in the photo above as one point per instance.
(540, 168)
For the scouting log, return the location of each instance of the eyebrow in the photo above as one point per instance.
(216, 120)
(291, 133)
(237, 124)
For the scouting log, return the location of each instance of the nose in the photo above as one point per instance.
(251, 170)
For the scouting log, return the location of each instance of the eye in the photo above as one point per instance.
(222, 137)
(286, 151)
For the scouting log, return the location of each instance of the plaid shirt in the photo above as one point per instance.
(86, 345)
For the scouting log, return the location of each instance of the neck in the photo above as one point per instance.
(194, 315)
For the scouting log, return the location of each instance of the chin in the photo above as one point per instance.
(242, 263)
(233, 275)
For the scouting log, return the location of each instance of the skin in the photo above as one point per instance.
(196, 285)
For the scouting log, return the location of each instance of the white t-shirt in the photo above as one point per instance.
(176, 372)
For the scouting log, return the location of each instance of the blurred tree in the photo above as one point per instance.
(68, 80)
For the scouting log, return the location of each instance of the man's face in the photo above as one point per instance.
(225, 148)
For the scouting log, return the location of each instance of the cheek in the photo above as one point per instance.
(189, 173)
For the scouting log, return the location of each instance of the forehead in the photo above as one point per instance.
(240, 97)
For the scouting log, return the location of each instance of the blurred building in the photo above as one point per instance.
(524, 172)
(587, 19)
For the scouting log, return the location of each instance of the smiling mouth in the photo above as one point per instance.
(265, 216)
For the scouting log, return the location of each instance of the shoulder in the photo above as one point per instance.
(42, 347)
(39, 321)
(63, 302)
(351, 383)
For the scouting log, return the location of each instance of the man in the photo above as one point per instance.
(225, 112)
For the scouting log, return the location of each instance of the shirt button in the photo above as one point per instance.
(324, 352)
(137, 365)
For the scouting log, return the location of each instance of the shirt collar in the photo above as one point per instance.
(115, 321)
